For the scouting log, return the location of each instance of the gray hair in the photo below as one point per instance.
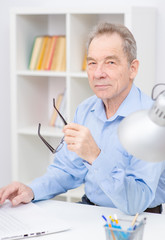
(105, 28)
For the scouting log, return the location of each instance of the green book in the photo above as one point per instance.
(35, 52)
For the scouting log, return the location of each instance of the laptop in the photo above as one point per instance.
(27, 220)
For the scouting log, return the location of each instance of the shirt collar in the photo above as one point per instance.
(130, 104)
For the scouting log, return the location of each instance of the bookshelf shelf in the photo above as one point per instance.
(79, 74)
(41, 73)
(46, 131)
(32, 92)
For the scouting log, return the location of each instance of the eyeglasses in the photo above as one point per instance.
(60, 145)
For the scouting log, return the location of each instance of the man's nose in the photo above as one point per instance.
(100, 71)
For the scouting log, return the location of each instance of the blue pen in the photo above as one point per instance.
(105, 220)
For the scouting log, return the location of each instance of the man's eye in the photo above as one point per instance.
(110, 62)
(91, 63)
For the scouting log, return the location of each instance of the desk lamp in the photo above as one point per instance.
(142, 133)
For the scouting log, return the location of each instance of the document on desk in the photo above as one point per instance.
(27, 220)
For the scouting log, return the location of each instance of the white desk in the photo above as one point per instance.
(87, 223)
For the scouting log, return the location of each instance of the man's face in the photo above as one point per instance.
(110, 74)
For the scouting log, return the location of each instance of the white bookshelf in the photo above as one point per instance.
(32, 91)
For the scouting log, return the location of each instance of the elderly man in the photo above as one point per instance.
(92, 153)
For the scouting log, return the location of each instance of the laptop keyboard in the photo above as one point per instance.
(9, 223)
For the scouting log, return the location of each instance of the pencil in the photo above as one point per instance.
(134, 220)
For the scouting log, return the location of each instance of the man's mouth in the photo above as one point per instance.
(102, 86)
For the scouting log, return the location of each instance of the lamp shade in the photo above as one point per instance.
(142, 133)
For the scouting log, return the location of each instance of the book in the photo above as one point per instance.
(55, 113)
(51, 53)
(41, 53)
(35, 52)
(84, 64)
(59, 58)
(63, 63)
(46, 53)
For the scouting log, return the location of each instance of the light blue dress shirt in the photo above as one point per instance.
(116, 178)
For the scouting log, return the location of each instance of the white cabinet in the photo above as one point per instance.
(32, 91)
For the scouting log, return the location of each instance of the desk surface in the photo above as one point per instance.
(87, 224)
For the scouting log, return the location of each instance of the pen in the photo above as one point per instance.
(113, 223)
(105, 220)
(116, 220)
(109, 225)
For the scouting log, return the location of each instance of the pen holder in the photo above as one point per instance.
(125, 232)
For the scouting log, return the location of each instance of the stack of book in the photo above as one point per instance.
(48, 53)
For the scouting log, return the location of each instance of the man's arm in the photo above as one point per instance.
(130, 187)
(17, 193)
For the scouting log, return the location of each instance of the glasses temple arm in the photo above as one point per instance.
(59, 112)
(46, 143)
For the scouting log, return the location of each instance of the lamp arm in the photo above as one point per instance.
(157, 112)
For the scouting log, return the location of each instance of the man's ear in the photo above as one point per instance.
(134, 68)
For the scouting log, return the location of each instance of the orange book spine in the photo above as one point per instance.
(51, 52)
(59, 54)
(84, 65)
(46, 54)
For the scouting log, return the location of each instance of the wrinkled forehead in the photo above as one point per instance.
(105, 43)
(106, 39)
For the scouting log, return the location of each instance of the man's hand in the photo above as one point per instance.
(17, 193)
(80, 141)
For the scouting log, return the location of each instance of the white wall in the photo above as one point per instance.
(5, 160)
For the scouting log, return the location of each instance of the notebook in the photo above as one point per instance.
(27, 220)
